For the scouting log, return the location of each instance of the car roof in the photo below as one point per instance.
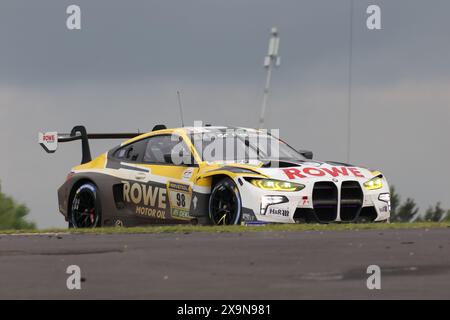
(186, 130)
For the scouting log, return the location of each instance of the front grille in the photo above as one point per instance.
(325, 201)
(351, 200)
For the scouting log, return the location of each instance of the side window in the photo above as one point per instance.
(132, 152)
(166, 149)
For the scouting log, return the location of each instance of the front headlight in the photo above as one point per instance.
(276, 185)
(374, 183)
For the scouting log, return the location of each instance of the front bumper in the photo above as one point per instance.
(343, 201)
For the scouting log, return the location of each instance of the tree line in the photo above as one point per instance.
(13, 214)
(408, 211)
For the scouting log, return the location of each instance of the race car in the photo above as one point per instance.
(212, 175)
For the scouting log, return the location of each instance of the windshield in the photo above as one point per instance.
(239, 145)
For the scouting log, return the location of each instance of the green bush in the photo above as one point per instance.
(12, 214)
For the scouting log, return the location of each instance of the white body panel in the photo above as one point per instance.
(308, 174)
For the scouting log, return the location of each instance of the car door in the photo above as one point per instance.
(169, 180)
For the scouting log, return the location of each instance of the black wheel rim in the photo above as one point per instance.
(84, 209)
(224, 206)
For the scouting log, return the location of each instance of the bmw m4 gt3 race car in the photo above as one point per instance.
(212, 175)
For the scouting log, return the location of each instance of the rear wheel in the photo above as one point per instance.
(85, 210)
(225, 205)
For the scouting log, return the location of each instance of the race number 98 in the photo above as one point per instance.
(181, 200)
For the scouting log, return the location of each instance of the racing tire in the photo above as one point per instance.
(225, 205)
(85, 207)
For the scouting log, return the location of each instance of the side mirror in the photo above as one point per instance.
(306, 153)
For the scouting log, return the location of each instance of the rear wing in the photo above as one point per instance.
(50, 140)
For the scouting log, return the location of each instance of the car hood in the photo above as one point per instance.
(317, 171)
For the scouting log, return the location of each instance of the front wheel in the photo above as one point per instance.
(225, 205)
(85, 210)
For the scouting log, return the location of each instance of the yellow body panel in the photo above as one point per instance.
(97, 163)
(201, 174)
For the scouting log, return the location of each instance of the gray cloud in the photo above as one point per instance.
(219, 39)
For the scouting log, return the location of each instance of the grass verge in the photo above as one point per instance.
(237, 229)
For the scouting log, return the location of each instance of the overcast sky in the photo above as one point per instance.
(122, 70)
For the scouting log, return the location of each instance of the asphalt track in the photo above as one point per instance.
(255, 265)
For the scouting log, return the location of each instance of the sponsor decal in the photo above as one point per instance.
(284, 212)
(248, 217)
(49, 141)
(150, 201)
(48, 138)
(305, 201)
(151, 212)
(187, 174)
(180, 214)
(384, 209)
(180, 196)
(307, 172)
